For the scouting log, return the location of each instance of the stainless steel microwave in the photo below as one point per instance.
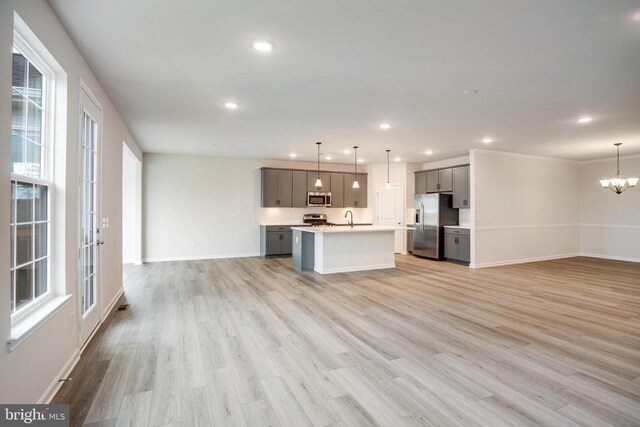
(319, 198)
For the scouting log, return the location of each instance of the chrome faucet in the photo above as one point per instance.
(351, 219)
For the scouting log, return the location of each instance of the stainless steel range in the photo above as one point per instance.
(316, 220)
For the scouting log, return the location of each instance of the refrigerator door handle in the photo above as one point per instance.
(422, 216)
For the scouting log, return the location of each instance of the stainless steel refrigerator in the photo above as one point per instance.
(432, 212)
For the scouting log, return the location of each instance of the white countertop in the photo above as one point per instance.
(464, 227)
(282, 224)
(355, 229)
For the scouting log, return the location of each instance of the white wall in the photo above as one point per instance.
(610, 223)
(209, 207)
(526, 208)
(31, 371)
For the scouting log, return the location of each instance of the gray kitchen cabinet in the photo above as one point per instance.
(420, 183)
(270, 188)
(461, 187)
(337, 190)
(355, 197)
(285, 188)
(360, 194)
(275, 240)
(450, 246)
(325, 177)
(431, 181)
(457, 244)
(445, 180)
(299, 189)
(277, 188)
(464, 248)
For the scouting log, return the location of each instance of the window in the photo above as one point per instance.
(30, 179)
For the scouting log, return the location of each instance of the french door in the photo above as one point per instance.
(89, 265)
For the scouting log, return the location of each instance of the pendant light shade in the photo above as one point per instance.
(355, 168)
(388, 185)
(318, 181)
(618, 184)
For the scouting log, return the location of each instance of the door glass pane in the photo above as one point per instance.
(41, 276)
(24, 285)
(24, 252)
(24, 208)
(88, 164)
(88, 197)
(41, 240)
(88, 207)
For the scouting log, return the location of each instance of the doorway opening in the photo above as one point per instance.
(131, 207)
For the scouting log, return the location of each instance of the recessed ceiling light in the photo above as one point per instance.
(262, 46)
(347, 151)
(487, 140)
(360, 160)
(293, 155)
(470, 92)
(328, 157)
(585, 119)
(428, 152)
(230, 105)
(385, 126)
(397, 159)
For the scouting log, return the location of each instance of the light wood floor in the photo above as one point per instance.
(250, 342)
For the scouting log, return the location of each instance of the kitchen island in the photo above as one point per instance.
(342, 249)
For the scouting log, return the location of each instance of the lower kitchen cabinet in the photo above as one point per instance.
(275, 240)
(457, 244)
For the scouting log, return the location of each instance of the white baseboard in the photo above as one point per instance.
(612, 257)
(64, 372)
(523, 260)
(359, 268)
(201, 257)
(112, 304)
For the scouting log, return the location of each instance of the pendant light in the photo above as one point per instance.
(318, 181)
(355, 168)
(617, 184)
(388, 185)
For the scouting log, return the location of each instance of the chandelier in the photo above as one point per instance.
(618, 184)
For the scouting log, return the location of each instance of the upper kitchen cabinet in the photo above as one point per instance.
(325, 177)
(461, 183)
(431, 181)
(277, 188)
(299, 189)
(445, 180)
(355, 197)
(420, 182)
(337, 190)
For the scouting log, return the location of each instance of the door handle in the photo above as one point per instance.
(422, 216)
(99, 242)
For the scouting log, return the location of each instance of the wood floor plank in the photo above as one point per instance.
(249, 341)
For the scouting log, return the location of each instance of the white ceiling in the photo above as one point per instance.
(340, 68)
